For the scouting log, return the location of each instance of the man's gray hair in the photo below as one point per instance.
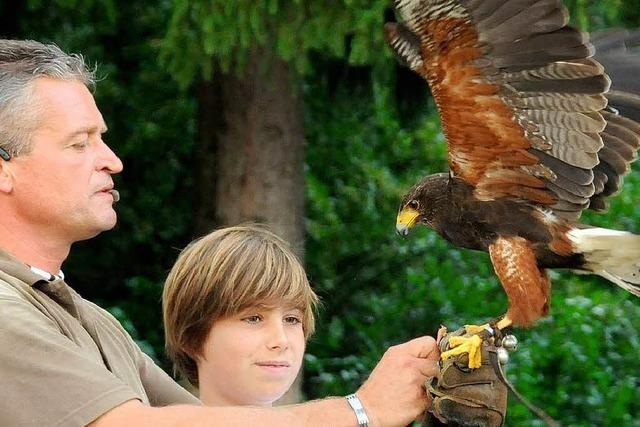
(21, 63)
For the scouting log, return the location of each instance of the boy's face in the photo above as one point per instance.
(251, 358)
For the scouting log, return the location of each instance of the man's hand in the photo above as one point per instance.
(394, 394)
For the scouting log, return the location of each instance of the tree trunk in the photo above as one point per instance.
(251, 154)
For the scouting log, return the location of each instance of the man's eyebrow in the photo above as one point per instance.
(89, 129)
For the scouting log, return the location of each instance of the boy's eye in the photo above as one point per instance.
(292, 320)
(252, 319)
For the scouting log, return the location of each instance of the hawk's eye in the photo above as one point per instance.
(414, 205)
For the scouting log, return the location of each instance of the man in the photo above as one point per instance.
(63, 360)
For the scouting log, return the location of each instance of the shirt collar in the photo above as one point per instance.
(46, 275)
(20, 270)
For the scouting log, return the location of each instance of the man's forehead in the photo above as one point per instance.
(67, 104)
(51, 88)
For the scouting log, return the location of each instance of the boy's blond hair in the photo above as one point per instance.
(220, 275)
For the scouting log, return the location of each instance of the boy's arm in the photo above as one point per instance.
(393, 395)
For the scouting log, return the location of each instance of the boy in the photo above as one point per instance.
(238, 309)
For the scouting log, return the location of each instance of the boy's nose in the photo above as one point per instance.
(277, 337)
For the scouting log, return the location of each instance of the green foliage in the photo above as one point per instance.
(204, 32)
(597, 15)
(581, 363)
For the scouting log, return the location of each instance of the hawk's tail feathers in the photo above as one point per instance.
(612, 254)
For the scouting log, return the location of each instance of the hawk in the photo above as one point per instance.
(534, 138)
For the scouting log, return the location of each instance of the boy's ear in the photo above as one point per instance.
(6, 178)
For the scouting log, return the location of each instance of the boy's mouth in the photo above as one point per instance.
(273, 364)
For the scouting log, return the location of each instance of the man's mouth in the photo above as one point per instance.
(108, 189)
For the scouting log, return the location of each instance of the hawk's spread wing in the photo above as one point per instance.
(618, 51)
(521, 101)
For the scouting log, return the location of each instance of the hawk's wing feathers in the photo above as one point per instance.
(520, 99)
(622, 134)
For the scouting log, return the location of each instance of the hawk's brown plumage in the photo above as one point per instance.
(532, 141)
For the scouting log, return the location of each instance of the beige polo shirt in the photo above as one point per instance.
(64, 361)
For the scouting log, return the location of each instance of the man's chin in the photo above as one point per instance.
(104, 224)
(107, 221)
(108, 224)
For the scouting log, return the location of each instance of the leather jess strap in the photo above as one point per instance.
(493, 357)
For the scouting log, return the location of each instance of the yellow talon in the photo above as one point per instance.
(470, 345)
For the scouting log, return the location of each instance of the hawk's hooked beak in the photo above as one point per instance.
(406, 220)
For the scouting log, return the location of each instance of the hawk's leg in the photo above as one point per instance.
(471, 341)
(527, 288)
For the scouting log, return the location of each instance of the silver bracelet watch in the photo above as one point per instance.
(356, 405)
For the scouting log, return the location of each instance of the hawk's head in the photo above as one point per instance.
(419, 205)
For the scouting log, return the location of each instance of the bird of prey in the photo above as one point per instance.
(534, 138)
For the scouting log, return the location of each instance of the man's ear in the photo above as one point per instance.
(6, 177)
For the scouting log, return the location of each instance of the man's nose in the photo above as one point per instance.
(109, 160)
